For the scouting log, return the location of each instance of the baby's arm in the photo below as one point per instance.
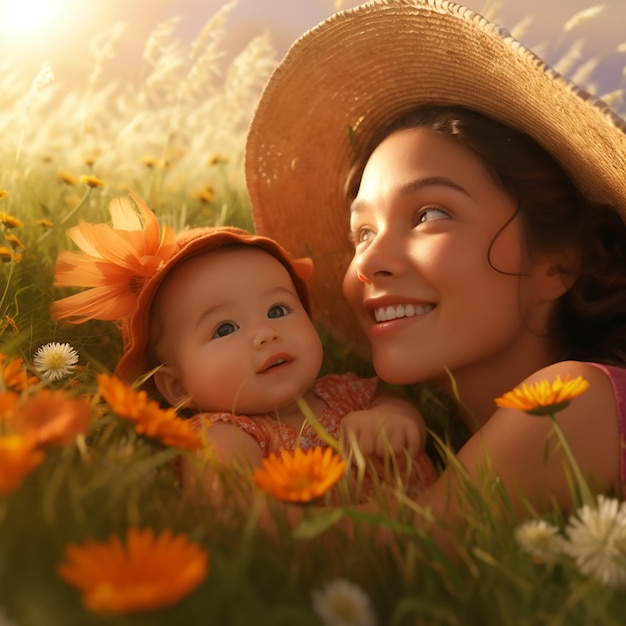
(229, 447)
(391, 423)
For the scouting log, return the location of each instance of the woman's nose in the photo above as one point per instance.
(384, 257)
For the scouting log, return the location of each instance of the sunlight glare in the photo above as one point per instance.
(34, 22)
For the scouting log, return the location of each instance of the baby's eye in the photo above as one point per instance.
(278, 310)
(227, 328)
(431, 214)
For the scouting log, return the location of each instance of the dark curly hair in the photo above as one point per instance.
(590, 323)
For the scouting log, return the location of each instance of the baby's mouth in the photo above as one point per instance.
(387, 313)
(275, 361)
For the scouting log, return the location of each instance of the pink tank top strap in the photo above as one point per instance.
(617, 376)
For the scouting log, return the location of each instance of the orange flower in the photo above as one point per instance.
(14, 374)
(18, 457)
(150, 419)
(114, 262)
(8, 400)
(544, 398)
(299, 477)
(50, 418)
(148, 573)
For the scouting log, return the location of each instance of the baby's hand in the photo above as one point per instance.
(379, 432)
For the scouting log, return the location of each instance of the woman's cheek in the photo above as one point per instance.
(353, 289)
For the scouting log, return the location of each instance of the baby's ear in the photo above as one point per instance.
(168, 382)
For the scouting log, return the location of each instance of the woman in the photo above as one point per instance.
(485, 202)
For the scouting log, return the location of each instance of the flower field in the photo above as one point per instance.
(94, 526)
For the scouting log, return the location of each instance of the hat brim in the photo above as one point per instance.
(357, 71)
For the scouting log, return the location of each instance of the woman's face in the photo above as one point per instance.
(421, 282)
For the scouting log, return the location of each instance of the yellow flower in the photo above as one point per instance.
(8, 221)
(7, 255)
(3, 193)
(91, 181)
(544, 398)
(205, 194)
(149, 418)
(301, 476)
(215, 159)
(14, 241)
(18, 457)
(149, 161)
(66, 177)
(146, 574)
(44, 222)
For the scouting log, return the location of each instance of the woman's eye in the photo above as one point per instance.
(227, 328)
(431, 214)
(361, 235)
(278, 310)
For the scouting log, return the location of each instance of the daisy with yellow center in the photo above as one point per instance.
(301, 476)
(342, 603)
(55, 360)
(149, 572)
(540, 539)
(544, 397)
(19, 456)
(149, 418)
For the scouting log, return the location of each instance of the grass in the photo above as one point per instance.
(176, 136)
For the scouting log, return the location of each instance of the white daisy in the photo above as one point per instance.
(539, 539)
(342, 603)
(55, 361)
(597, 541)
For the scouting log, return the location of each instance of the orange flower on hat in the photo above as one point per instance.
(115, 261)
(149, 418)
(301, 476)
(148, 573)
(18, 457)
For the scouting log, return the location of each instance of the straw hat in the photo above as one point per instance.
(362, 68)
(135, 361)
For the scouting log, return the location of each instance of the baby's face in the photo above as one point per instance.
(236, 334)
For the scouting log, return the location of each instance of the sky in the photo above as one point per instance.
(59, 31)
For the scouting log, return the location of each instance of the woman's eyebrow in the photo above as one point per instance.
(415, 185)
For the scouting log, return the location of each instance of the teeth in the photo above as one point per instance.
(384, 314)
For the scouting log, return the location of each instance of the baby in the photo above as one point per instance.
(225, 324)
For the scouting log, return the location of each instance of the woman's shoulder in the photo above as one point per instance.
(590, 371)
(605, 382)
